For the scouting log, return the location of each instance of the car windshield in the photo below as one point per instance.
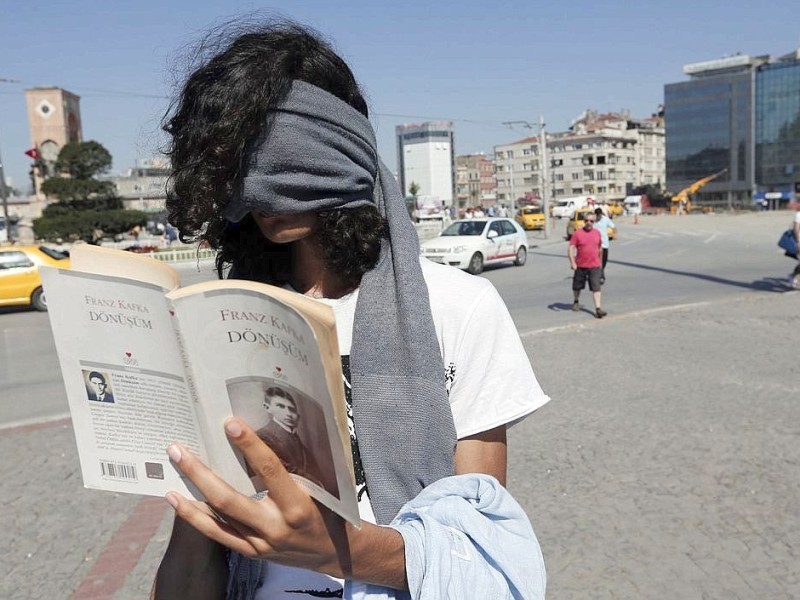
(53, 253)
(465, 228)
(532, 211)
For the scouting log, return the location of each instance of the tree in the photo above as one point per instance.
(413, 189)
(88, 208)
(83, 160)
(66, 188)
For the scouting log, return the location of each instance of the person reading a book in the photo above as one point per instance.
(275, 165)
(280, 434)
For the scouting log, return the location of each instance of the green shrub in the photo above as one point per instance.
(83, 225)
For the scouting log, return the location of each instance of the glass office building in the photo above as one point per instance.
(777, 113)
(709, 129)
(741, 114)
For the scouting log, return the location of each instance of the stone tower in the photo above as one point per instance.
(54, 118)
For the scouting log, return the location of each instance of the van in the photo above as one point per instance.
(566, 207)
(633, 204)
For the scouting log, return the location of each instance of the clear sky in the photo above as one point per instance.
(476, 63)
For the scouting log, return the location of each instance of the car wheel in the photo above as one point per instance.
(38, 301)
(475, 264)
(522, 256)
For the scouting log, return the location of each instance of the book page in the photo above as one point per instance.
(257, 358)
(119, 263)
(124, 378)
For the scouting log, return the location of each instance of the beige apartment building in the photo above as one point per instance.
(475, 181)
(603, 154)
(518, 171)
(143, 187)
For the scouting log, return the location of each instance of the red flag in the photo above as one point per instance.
(33, 153)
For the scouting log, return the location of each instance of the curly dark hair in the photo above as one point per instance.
(244, 70)
(350, 241)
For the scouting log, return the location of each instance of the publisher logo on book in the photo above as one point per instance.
(278, 373)
(129, 360)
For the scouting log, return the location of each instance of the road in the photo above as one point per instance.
(665, 465)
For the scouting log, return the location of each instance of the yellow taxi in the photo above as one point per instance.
(530, 217)
(20, 284)
(615, 209)
(576, 222)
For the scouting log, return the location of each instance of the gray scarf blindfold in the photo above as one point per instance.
(318, 154)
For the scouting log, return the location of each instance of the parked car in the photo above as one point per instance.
(20, 284)
(530, 217)
(576, 222)
(471, 244)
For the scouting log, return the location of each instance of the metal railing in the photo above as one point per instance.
(182, 254)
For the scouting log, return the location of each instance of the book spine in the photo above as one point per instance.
(187, 367)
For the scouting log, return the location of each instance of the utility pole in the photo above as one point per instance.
(3, 188)
(513, 211)
(4, 194)
(511, 124)
(543, 165)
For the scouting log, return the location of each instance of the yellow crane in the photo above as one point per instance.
(685, 194)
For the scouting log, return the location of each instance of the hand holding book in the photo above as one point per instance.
(287, 525)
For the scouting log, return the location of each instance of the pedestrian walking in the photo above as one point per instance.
(586, 260)
(794, 277)
(602, 224)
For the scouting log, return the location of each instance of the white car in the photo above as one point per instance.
(472, 243)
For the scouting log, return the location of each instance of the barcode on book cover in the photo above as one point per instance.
(116, 470)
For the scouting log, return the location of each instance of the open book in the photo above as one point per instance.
(146, 363)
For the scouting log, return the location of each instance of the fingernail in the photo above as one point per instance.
(174, 453)
(233, 428)
(172, 499)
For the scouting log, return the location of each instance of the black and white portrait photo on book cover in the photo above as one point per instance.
(98, 386)
(291, 423)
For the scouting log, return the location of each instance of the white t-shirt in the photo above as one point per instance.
(488, 377)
